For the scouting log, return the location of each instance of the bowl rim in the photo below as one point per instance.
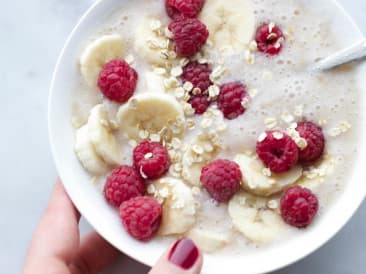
(351, 210)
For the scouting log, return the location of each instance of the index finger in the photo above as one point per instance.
(57, 234)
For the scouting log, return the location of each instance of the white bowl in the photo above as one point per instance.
(105, 220)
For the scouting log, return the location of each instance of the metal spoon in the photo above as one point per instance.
(355, 52)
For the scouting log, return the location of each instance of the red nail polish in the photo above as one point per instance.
(184, 253)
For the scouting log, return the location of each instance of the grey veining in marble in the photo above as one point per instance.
(32, 35)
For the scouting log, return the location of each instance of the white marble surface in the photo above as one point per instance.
(33, 33)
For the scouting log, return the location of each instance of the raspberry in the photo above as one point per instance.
(298, 206)
(141, 217)
(277, 151)
(123, 184)
(269, 38)
(199, 103)
(198, 74)
(314, 137)
(222, 179)
(231, 98)
(189, 34)
(151, 159)
(186, 8)
(117, 80)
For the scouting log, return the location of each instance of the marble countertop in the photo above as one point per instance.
(33, 33)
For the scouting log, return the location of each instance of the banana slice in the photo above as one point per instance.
(231, 23)
(253, 219)
(98, 53)
(178, 207)
(191, 172)
(200, 151)
(153, 112)
(85, 151)
(104, 141)
(256, 182)
(149, 44)
(314, 177)
(208, 240)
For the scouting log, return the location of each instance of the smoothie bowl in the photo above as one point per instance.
(200, 119)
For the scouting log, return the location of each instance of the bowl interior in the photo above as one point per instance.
(105, 220)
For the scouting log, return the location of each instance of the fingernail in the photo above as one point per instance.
(184, 253)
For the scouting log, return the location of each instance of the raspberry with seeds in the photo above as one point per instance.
(314, 137)
(199, 103)
(269, 38)
(183, 8)
(231, 98)
(117, 80)
(298, 206)
(222, 179)
(141, 217)
(189, 35)
(123, 184)
(198, 74)
(277, 151)
(151, 159)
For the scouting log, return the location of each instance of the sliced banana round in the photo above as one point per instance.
(149, 44)
(98, 53)
(231, 24)
(102, 137)
(191, 172)
(152, 112)
(256, 181)
(251, 217)
(208, 240)
(315, 176)
(178, 207)
(200, 151)
(86, 153)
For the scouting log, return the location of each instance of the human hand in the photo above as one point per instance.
(56, 247)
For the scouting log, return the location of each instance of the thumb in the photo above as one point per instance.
(182, 258)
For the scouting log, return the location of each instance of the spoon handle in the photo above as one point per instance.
(355, 52)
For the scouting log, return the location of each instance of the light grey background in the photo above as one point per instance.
(32, 34)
